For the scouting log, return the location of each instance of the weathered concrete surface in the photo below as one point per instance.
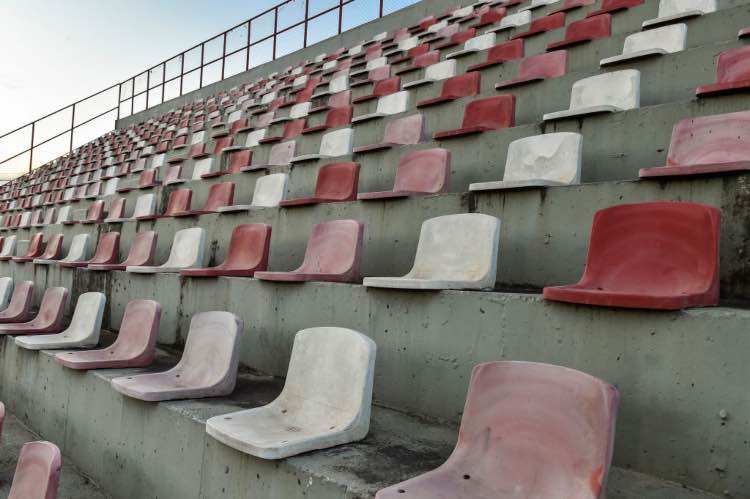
(145, 450)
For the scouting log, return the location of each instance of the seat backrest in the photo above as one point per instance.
(590, 28)
(406, 130)
(387, 86)
(179, 201)
(219, 195)
(37, 472)
(548, 22)
(733, 65)
(238, 160)
(6, 290)
(202, 167)
(142, 249)
(517, 19)
(507, 51)
(107, 248)
(672, 7)
(426, 171)
(621, 89)
(52, 307)
(2, 417)
(463, 85)
(9, 246)
(138, 330)
(87, 316)
(459, 247)
(654, 248)
(35, 245)
(427, 59)
(172, 174)
(615, 5)
(670, 38)
(393, 103)
(721, 138)
(339, 116)
(334, 248)
(187, 248)
(80, 248)
(270, 190)
(248, 247)
(551, 156)
(548, 65)
(54, 247)
(282, 153)
(340, 99)
(337, 143)
(145, 205)
(20, 301)
(548, 429)
(337, 181)
(117, 208)
(481, 42)
(63, 215)
(211, 352)
(331, 372)
(492, 112)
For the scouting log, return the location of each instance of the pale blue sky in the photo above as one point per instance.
(57, 51)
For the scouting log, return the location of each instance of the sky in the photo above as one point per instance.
(63, 50)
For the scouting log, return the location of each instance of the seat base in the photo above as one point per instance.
(374, 196)
(641, 54)
(660, 21)
(459, 132)
(218, 272)
(302, 277)
(152, 269)
(586, 296)
(562, 44)
(423, 284)
(374, 147)
(580, 112)
(367, 117)
(54, 342)
(686, 170)
(418, 83)
(461, 53)
(518, 82)
(722, 88)
(514, 184)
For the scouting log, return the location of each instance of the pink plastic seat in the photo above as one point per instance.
(402, 131)
(236, 163)
(464, 85)
(661, 255)
(107, 251)
(482, 115)
(457, 39)
(732, 73)
(538, 68)
(418, 173)
(20, 303)
(374, 76)
(94, 213)
(569, 5)
(611, 6)
(706, 145)
(412, 53)
(37, 472)
(135, 345)
(292, 129)
(219, 195)
(421, 61)
(53, 251)
(247, 253)
(179, 202)
(490, 17)
(542, 25)
(499, 54)
(585, 30)
(528, 431)
(382, 88)
(334, 253)
(34, 250)
(336, 182)
(117, 209)
(146, 180)
(49, 320)
(141, 253)
(336, 117)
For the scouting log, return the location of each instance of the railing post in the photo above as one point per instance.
(247, 55)
(132, 96)
(72, 127)
(275, 31)
(307, 15)
(182, 70)
(200, 81)
(119, 101)
(148, 85)
(381, 8)
(163, 81)
(224, 55)
(31, 147)
(341, 14)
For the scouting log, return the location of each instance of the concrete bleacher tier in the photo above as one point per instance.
(536, 212)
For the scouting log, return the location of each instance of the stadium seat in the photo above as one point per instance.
(19, 306)
(141, 253)
(179, 201)
(219, 195)
(403, 131)
(82, 332)
(52, 252)
(465, 85)
(187, 252)
(732, 73)
(659, 255)
(490, 17)
(512, 21)
(326, 400)
(334, 253)
(246, 254)
(34, 250)
(6, 291)
(79, 251)
(528, 430)
(536, 4)
(37, 473)
(9, 248)
(380, 89)
(48, 320)
(280, 155)
(335, 118)
(706, 145)
(482, 115)
(116, 210)
(650, 43)
(614, 6)
(292, 129)
(333, 144)
(676, 10)
(336, 182)
(540, 161)
(236, 161)
(107, 252)
(605, 93)
(421, 61)
(269, 191)
(173, 175)
(568, 5)
(474, 45)
(542, 25)
(454, 252)
(418, 173)
(208, 367)
(538, 68)
(436, 72)
(585, 30)
(135, 345)
(388, 105)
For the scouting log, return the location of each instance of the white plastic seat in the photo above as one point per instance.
(253, 138)
(297, 111)
(435, 72)
(476, 44)
(269, 191)
(675, 10)
(336, 85)
(535, 4)
(454, 252)
(396, 103)
(540, 161)
(604, 93)
(333, 144)
(110, 187)
(6, 290)
(80, 249)
(513, 21)
(63, 215)
(83, 331)
(9, 247)
(657, 41)
(326, 400)
(203, 166)
(187, 252)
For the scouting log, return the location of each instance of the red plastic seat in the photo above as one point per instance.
(34, 250)
(418, 173)
(456, 39)
(107, 252)
(333, 253)
(585, 30)
(538, 68)
(236, 163)
(336, 117)
(37, 473)
(542, 25)
(141, 253)
(20, 303)
(528, 430)
(336, 182)
(412, 53)
(569, 5)
(464, 85)
(732, 73)
(53, 251)
(94, 213)
(117, 209)
(381, 89)
(374, 76)
(490, 17)
(219, 195)
(135, 345)
(499, 54)
(49, 319)
(705, 145)
(292, 129)
(179, 202)
(146, 180)
(398, 132)
(421, 61)
(611, 6)
(247, 253)
(662, 255)
(482, 115)
(423, 24)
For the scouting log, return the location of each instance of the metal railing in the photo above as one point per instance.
(171, 78)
